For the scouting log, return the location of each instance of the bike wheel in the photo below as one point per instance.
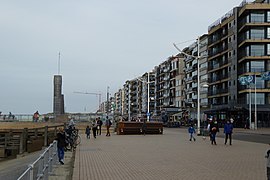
(68, 147)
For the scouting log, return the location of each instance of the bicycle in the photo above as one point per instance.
(73, 139)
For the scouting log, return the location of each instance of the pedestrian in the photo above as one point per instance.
(87, 132)
(213, 131)
(268, 163)
(99, 125)
(208, 128)
(228, 129)
(36, 116)
(61, 143)
(144, 127)
(108, 124)
(94, 129)
(191, 131)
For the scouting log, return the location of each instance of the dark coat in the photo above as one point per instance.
(61, 140)
(228, 128)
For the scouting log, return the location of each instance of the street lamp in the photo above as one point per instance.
(148, 95)
(198, 81)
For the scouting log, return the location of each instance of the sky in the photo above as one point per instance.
(102, 44)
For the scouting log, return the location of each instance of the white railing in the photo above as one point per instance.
(42, 167)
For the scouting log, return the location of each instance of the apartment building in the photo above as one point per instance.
(239, 45)
(147, 78)
(165, 89)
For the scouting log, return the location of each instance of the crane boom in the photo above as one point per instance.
(98, 94)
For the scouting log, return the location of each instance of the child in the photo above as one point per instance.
(87, 132)
(191, 130)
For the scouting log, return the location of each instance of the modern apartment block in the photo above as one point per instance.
(147, 78)
(179, 88)
(239, 45)
(165, 90)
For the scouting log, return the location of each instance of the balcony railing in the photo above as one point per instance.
(218, 91)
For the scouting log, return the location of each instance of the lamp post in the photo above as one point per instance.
(198, 81)
(148, 95)
(198, 88)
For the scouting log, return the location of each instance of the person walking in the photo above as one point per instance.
(61, 143)
(94, 129)
(108, 124)
(228, 129)
(191, 131)
(213, 131)
(87, 132)
(99, 125)
(268, 163)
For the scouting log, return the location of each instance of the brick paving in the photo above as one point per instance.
(169, 156)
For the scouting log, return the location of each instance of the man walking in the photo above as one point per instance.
(108, 125)
(213, 131)
(99, 124)
(228, 128)
(61, 143)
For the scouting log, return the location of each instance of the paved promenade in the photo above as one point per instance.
(169, 156)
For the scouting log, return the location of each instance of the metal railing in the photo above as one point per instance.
(42, 167)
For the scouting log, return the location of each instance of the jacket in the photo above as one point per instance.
(228, 128)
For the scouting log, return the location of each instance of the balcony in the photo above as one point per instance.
(217, 92)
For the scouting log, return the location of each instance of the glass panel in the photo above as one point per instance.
(260, 83)
(268, 33)
(257, 34)
(268, 49)
(260, 98)
(257, 50)
(268, 16)
(257, 66)
(257, 17)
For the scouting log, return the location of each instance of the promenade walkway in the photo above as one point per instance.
(170, 156)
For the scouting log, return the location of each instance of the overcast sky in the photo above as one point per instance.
(102, 43)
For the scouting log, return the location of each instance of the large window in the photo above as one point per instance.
(268, 33)
(257, 66)
(260, 83)
(257, 50)
(257, 17)
(257, 33)
(268, 16)
(268, 49)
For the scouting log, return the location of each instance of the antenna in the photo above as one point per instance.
(59, 63)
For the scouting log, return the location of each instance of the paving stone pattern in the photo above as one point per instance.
(170, 156)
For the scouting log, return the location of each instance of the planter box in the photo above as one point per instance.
(124, 128)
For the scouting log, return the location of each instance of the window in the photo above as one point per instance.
(257, 33)
(257, 66)
(257, 17)
(268, 49)
(260, 84)
(257, 50)
(268, 16)
(268, 33)
(259, 96)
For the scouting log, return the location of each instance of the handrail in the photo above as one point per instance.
(43, 164)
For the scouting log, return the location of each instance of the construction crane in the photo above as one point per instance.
(97, 94)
